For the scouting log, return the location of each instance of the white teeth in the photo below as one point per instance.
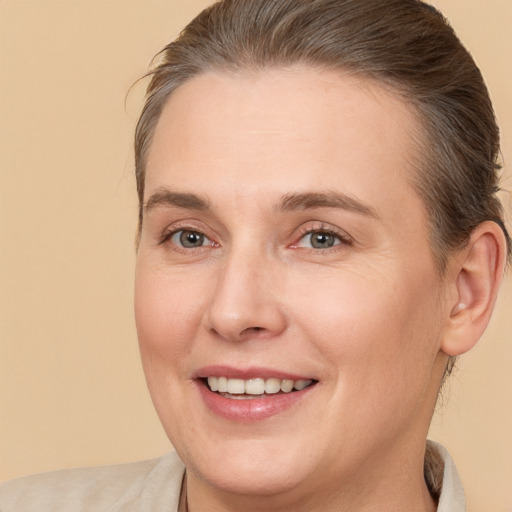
(257, 386)
(254, 386)
(301, 384)
(236, 386)
(272, 386)
(286, 385)
(213, 383)
(222, 385)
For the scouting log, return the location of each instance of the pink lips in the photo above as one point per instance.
(246, 373)
(248, 410)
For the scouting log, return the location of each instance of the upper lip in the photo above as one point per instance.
(252, 372)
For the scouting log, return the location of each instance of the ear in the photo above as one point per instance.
(477, 272)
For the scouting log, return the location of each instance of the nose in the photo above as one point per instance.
(246, 302)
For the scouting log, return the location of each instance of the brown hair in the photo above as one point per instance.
(405, 44)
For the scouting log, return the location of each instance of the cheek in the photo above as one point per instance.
(377, 338)
(369, 325)
(168, 312)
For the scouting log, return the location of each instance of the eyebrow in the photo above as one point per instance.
(329, 199)
(167, 197)
(289, 202)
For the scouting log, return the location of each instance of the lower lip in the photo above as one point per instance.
(251, 409)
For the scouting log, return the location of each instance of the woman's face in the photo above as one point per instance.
(283, 245)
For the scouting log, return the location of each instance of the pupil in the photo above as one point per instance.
(322, 240)
(191, 239)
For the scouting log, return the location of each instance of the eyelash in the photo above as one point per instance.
(168, 233)
(342, 238)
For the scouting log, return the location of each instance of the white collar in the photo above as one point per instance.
(452, 498)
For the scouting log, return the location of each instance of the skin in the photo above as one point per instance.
(368, 318)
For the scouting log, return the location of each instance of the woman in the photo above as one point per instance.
(295, 325)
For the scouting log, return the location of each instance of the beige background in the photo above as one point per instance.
(71, 389)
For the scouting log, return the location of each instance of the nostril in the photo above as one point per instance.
(253, 330)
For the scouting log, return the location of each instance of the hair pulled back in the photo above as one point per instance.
(405, 44)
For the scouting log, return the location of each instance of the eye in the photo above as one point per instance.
(322, 237)
(189, 239)
(319, 240)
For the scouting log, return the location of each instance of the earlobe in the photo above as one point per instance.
(477, 275)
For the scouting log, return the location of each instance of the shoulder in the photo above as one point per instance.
(145, 485)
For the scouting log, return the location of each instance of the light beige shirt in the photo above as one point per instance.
(147, 486)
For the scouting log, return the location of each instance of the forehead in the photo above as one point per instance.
(287, 130)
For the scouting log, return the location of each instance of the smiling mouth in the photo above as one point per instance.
(240, 389)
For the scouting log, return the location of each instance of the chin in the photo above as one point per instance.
(249, 467)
